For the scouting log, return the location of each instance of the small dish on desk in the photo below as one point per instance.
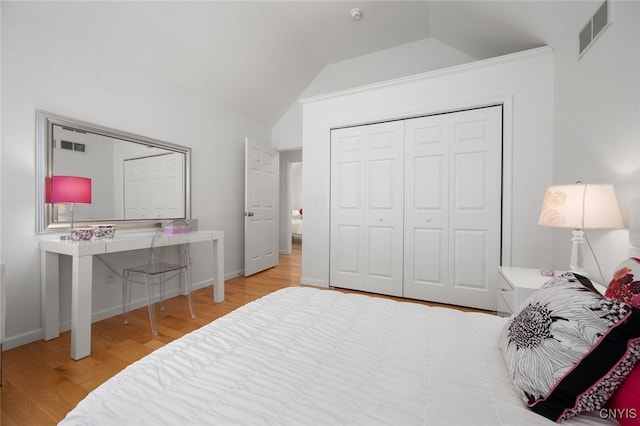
(81, 234)
(104, 230)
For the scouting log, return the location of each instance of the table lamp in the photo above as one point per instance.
(70, 190)
(580, 206)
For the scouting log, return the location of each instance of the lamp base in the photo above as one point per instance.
(577, 253)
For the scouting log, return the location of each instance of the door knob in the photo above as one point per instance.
(248, 213)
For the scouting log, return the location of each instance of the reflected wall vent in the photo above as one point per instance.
(596, 26)
(72, 146)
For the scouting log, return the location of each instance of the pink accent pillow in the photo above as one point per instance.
(625, 285)
(624, 405)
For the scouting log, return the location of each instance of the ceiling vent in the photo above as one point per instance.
(596, 26)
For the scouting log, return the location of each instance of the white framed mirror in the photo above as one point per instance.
(136, 181)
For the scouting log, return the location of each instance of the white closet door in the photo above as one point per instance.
(426, 245)
(453, 207)
(366, 208)
(476, 200)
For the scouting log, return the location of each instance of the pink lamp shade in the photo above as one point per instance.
(70, 189)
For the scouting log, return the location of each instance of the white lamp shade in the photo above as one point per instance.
(581, 206)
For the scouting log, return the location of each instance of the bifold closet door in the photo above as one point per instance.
(453, 174)
(367, 208)
(153, 187)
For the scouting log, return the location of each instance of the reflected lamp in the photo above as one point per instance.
(69, 190)
(580, 206)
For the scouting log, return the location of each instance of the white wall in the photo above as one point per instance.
(295, 196)
(1, 156)
(408, 59)
(524, 82)
(2, 266)
(597, 126)
(96, 163)
(43, 68)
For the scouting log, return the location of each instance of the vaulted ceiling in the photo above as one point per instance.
(257, 57)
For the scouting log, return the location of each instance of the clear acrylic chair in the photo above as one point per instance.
(156, 271)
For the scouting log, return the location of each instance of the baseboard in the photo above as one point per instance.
(22, 339)
(314, 282)
(235, 274)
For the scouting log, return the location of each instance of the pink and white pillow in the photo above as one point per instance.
(568, 348)
(625, 284)
(624, 405)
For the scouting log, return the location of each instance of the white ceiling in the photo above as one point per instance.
(257, 57)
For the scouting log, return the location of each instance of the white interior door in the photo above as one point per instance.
(366, 208)
(453, 207)
(261, 208)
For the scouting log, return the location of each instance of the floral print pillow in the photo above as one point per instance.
(625, 285)
(568, 348)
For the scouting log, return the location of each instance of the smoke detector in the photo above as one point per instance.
(356, 15)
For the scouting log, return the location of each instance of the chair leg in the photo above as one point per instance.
(187, 285)
(163, 278)
(126, 297)
(152, 309)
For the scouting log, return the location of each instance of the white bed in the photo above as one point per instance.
(305, 356)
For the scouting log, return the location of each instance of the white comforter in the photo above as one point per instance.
(304, 356)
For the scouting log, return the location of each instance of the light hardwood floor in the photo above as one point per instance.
(41, 383)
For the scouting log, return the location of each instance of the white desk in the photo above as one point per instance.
(82, 253)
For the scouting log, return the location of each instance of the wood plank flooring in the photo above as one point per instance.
(41, 383)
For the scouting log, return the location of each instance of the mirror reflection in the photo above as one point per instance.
(134, 179)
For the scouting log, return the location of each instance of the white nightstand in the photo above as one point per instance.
(515, 285)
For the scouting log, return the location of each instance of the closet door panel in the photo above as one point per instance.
(348, 244)
(347, 168)
(380, 250)
(476, 194)
(426, 214)
(367, 195)
(428, 169)
(349, 178)
(431, 268)
(383, 211)
(469, 180)
(470, 245)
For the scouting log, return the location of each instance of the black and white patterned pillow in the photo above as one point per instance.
(568, 348)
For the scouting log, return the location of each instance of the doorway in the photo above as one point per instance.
(291, 208)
